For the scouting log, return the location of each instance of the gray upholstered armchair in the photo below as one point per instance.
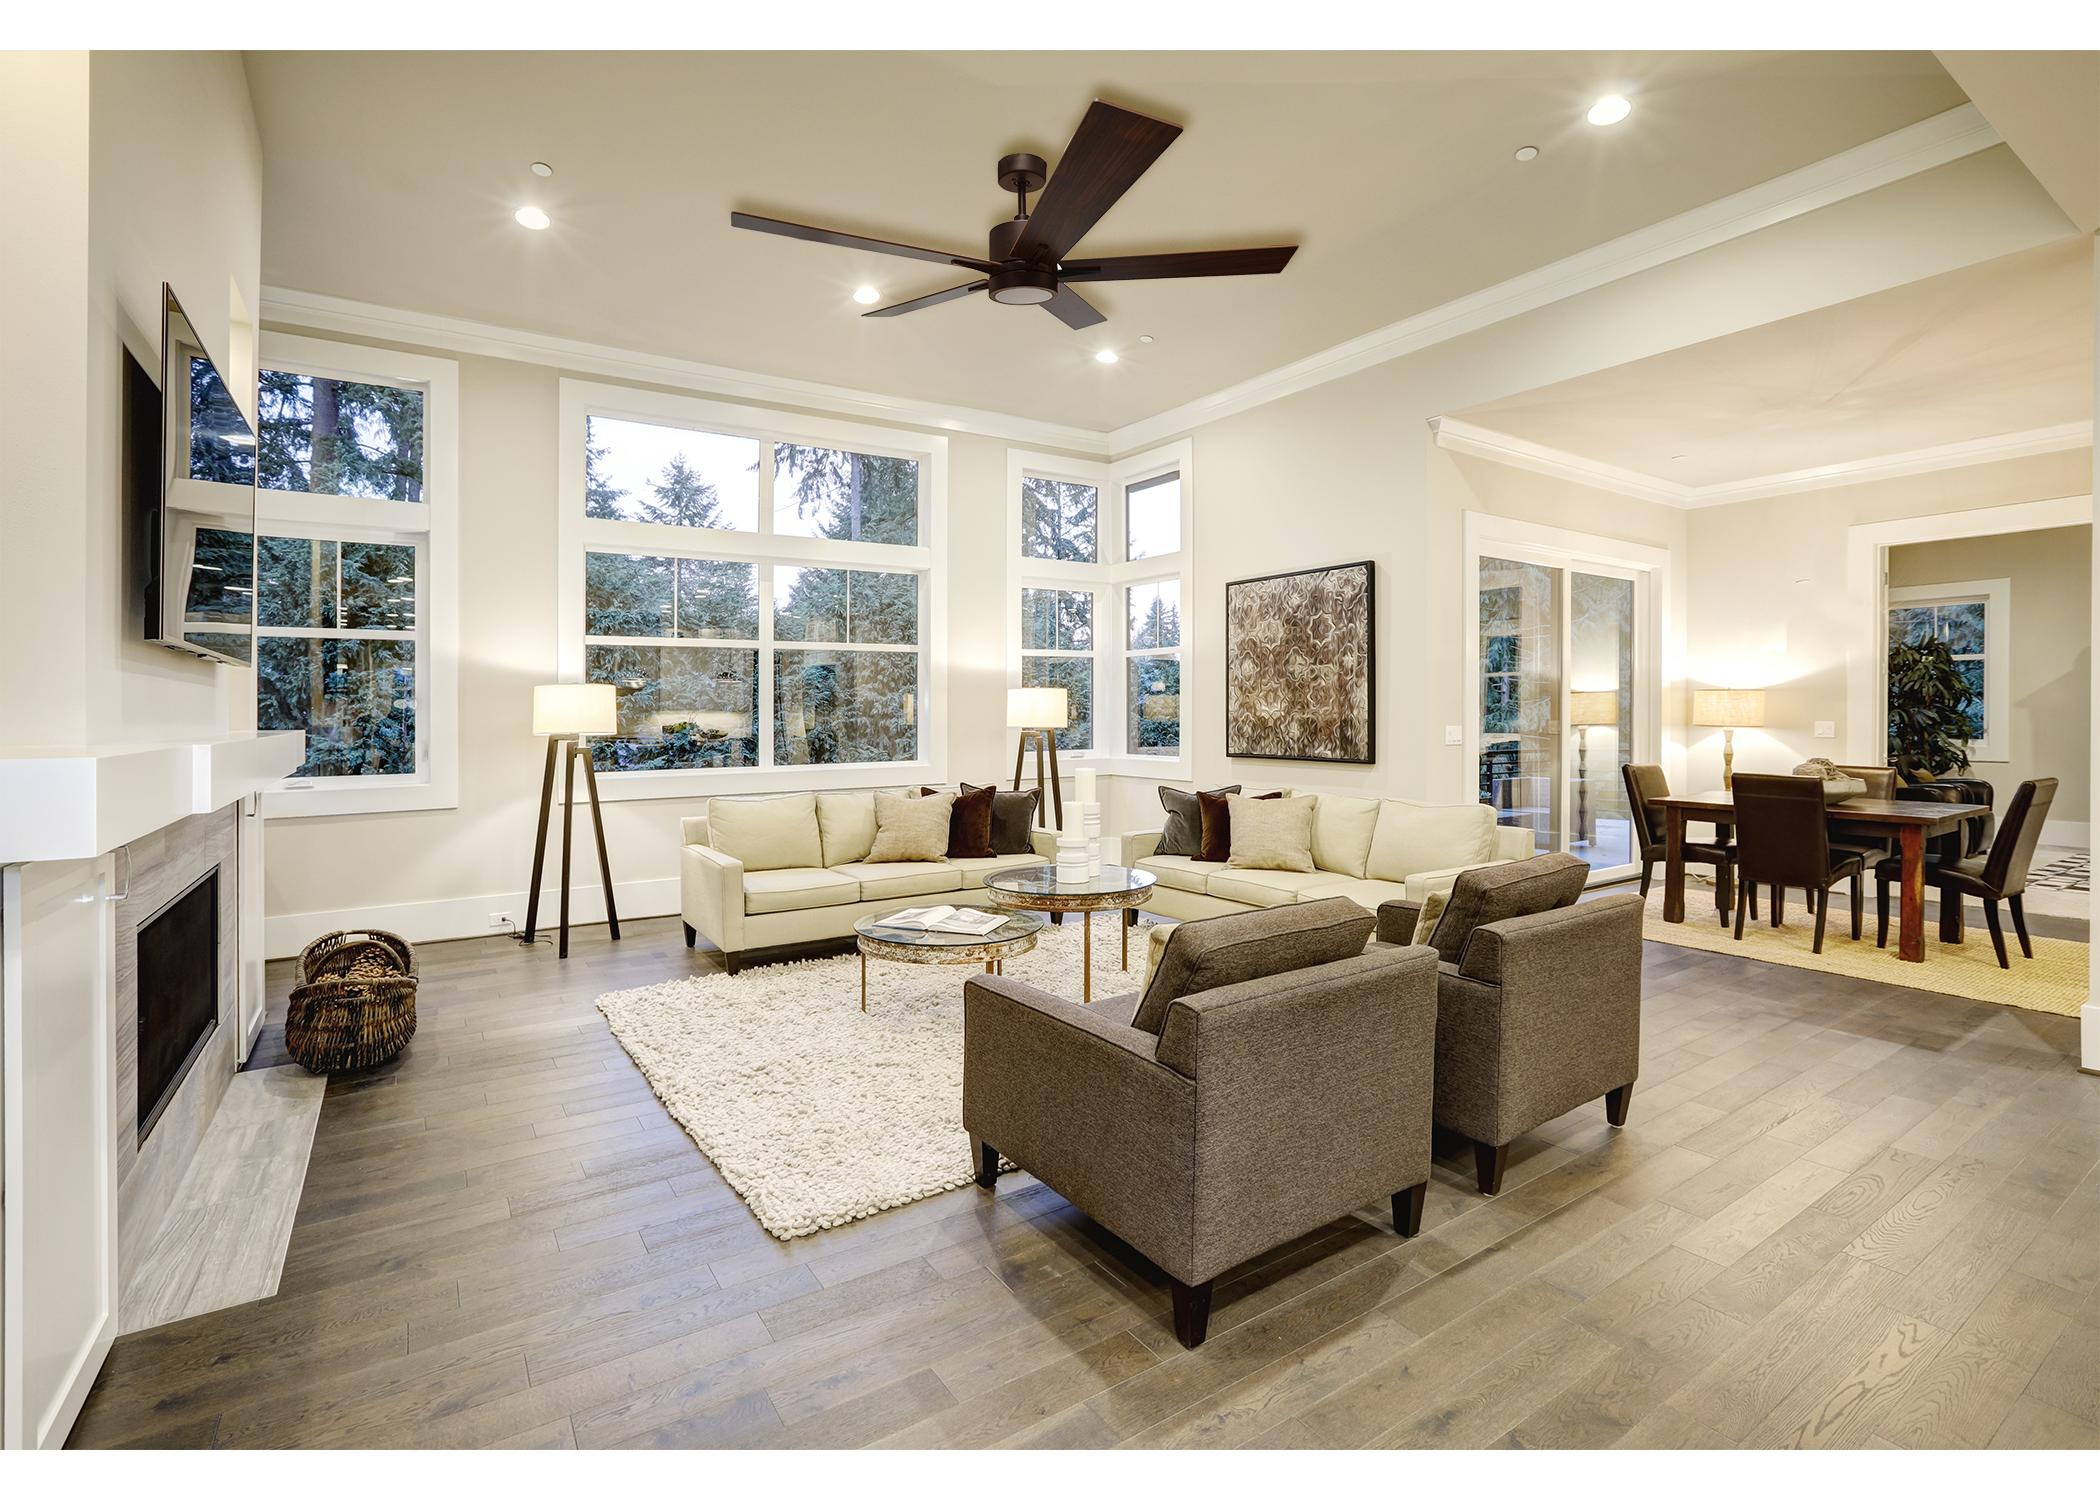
(1538, 1001)
(1273, 1076)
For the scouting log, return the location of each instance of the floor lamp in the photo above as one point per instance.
(567, 713)
(1729, 709)
(1585, 712)
(1039, 713)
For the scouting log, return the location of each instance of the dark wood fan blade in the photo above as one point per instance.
(1110, 151)
(1181, 263)
(932, 299)
(855, 242)
(1073, 310)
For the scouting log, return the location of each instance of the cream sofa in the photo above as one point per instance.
(814, 880)
(1369, 849)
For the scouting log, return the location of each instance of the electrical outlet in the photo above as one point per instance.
(499, 919)
(1453, 735)
(1826, 729)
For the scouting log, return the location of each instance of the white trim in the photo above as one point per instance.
(1959, 132)
(1520, 453)
(1997, 652)
(285, 934)
(575, 532)
(1866, 585)
(433, 527)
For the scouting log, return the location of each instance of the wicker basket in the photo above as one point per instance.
(355, 1003)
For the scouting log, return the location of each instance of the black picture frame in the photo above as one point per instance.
(1352, 736)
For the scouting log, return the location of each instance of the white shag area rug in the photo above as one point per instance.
(816, 1113)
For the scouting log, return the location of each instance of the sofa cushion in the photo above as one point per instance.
(1369, 894)
(1183, 833)
(1179, 872)
(1499, 892)
(973, 871)
(1272, 833)
(845, 825)
(767, 833)
(797, 890)
(1217, 951)
(911, 828)
(1342, 831)
(1217, 823)
(1266, 887)
(880, 879)
(1415, 836)
(1013, 815)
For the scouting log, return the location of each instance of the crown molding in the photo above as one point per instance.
(463, 336)
(1929, 143)
(1483, 442)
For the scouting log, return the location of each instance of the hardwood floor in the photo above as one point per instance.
(1841, 1215)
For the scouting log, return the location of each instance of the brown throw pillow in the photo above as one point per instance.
(969, 823)
(1183, 831)
(1013, 815)
(1217, 824)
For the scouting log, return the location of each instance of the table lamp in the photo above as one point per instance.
(1039, 712)
(1585, 710)
(567, 713)
(1729, 709)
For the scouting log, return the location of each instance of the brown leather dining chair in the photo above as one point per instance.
(1997, 874)
(1781, 840)
(1644, 782)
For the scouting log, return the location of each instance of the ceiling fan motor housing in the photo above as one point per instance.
(1023, 287)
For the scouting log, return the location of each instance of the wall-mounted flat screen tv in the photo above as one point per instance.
(200, 537)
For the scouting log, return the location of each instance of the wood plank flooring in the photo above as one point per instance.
(1841, 1215)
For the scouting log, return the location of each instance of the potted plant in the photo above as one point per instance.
(1929, 723)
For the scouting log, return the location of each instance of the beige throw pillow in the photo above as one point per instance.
(1271, 835)
(911, 828)
(766, 833)
(846, 821)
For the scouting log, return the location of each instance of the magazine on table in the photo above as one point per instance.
(968, 920)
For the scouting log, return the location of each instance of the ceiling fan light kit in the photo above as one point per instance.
(1026, 264)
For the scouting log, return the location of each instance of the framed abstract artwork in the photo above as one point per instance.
(1299, 666)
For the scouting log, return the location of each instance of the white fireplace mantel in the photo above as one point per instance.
(76, 802)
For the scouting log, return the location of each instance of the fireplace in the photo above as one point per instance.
(178, 994)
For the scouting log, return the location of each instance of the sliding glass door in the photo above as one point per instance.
(1559, 682)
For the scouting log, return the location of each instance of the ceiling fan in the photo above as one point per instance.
(1030, 261)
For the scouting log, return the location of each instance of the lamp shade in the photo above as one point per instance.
(1593, 708)
(1036, 708)
(1729, 708)
(575, 708)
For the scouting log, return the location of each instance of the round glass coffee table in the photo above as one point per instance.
(1036, 888)
(909, 945)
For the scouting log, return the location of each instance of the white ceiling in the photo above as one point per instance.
(391, 178)
(1997, 348)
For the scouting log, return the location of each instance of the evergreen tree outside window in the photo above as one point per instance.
(1060, 520)
(1153, 666)
(336, 627)
(845, 496)
(670, 476)
(340, 437)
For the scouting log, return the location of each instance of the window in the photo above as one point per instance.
(1104, 627)
(356, 624)
(1974, 619)
(755, 590)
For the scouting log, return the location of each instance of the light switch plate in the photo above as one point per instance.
(1454, 735)
(1826, 729)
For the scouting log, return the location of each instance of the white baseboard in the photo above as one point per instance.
(2063, 835)
(437, 921)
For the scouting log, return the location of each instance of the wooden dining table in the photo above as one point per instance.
(1913, 822)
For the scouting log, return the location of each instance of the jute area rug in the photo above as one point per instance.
(815, 1113)
(2054, 980)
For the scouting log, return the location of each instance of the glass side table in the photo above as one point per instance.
(1036, 888)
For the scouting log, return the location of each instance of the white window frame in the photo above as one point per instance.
(1995, 594)
(578, 534)
(431, 527)
(1108, 580)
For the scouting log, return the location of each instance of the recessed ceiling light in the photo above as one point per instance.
(541, 169)
(1144, 338)
(1107, 356)
(1609, 110)
(866, 295)
(1527, 153)
(532, 218)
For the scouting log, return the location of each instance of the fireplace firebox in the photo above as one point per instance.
(178, 988)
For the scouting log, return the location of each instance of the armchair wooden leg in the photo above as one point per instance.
(1192, 1312)
(733, 960)
(1615, 1103)
(691, 937)
(2019, 915)
(987, 1164)
(1990, 917)
(1488, 1162)
(1407, 1209)
(1881, 912)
